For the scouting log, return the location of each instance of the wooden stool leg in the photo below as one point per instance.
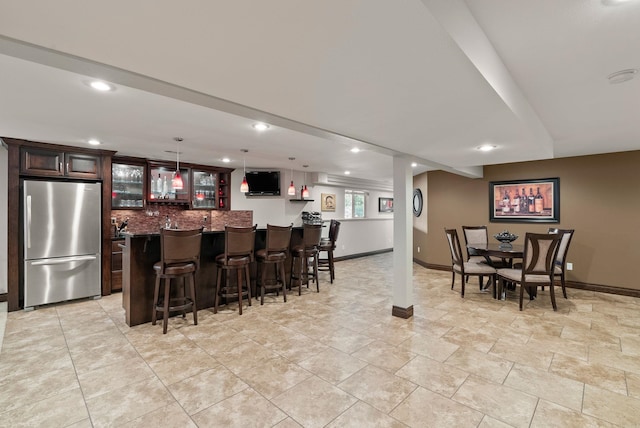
(192, 292)
(263, 278)
(332, 274)
(167, 297)
(156, 292)
(217, 296)
(284, 280)
(315, 272)
(247, 277)
(239, 274)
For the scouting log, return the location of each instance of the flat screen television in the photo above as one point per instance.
(263, 183)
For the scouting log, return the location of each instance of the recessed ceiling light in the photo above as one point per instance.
(226, 160)
(347, 172)
(101, 86)
(413, 165)
(486, 147)
(355, 150)
(622, 75)
(260, 126)
(94, 142)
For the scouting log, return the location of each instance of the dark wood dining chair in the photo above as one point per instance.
(540, 251)
(561, 259)
(464, 268)
(479, 236)
(274, 254)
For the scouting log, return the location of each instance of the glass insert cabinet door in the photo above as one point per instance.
(127, 186)
(162, 185)
(204, 189)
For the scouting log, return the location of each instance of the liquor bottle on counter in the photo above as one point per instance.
(515, 202)
(165, 187)
(506, 203)
(531, 204)
(159, 187)
(524, 205)
(539, 202)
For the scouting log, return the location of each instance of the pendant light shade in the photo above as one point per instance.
(305, 192)
(176, 181)
(292, 188)
(244, 186)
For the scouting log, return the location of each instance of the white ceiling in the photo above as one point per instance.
(430, 80)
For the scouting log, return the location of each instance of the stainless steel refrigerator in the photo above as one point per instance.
(61, 241)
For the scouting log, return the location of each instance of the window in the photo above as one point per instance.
(354, 203)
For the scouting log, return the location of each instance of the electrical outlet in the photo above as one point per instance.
(418, 248)
(113, 220)
(569, 266)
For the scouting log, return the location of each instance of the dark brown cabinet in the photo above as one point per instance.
(54, 163)
(116, 265)
(127, 185)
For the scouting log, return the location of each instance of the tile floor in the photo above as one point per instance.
(335, 359)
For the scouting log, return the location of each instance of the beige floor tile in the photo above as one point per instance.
(550, 386)
(245, 409)
(379, 388)
(528, 354)
(32, 389)
(314, 402)
(14, 366)
(173, 366)
(332, 365)
(433, 375)
(488, 366)
(424, 408)
(489, 422)
(614, 358)
(363, 415)
(114, 376)
(500, 402)
(550, 415)
(205, 389)
(570, 348)
(611, 407)
(85, 423)
(91, 359)
(287, 423)
(128, 403)
(630, 345)
(429, 346)
(592, 373)
(59, 410)
(391, 334)
(633, 384)
(168, 416)
(475, 338)
(346, 340)
(384, 355)
(245, 356)
(298, 347)
(274, 377)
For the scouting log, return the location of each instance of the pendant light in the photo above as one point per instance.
(292, 188)
(244, 186)
(305, 191)
(176, 181)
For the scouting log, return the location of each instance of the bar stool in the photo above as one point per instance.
(180, 258)
(239, 244)
(328, 245)
(275, 253)
(305, 253)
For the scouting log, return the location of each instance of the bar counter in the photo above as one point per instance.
(142, 250)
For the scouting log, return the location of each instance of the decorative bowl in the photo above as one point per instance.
(505, 237)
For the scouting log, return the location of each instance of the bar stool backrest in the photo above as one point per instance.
(278, 238)
(239, 241)
(180, 247)
(311, 235)
(334, 230)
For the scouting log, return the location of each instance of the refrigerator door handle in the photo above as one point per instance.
(63, 260)
(28, 221)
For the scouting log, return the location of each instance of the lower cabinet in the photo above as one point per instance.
(116, 265)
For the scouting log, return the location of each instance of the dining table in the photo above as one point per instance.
(506, 252)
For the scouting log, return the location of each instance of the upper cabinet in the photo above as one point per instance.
(55, 163)
(127, 188)
(166, 187)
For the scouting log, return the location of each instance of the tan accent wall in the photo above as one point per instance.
(599, 198)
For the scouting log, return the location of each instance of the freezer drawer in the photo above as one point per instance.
(62, 278)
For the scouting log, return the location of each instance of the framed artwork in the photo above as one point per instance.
(385, 205)
(521, 201)
(327, 202)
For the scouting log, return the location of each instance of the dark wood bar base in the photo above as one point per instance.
(139, 254)
(404, 313)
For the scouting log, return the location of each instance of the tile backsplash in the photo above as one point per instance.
(154, 217)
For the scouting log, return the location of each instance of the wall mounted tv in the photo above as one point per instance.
(263, 183)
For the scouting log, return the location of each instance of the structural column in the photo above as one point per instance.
(402, 238)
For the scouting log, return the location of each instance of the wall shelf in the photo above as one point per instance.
(300, 200)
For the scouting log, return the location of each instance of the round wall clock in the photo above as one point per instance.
(417, 202)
